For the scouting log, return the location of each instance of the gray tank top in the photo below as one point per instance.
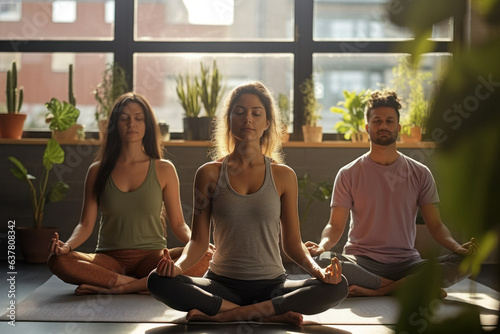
(246, 229)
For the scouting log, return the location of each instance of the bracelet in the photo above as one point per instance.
(70, 249)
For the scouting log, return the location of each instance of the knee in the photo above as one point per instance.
(338, 292)
(165, 289)
(344, 286)
(56, 263)
(153, 282)
(158, 284)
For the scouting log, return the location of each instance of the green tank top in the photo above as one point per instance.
(132, 220)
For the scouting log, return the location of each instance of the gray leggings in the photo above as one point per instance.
(184, 293)
(366, 272)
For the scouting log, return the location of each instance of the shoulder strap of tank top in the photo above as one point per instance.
(152, 171)
(222, 178)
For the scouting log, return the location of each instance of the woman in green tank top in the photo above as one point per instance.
(129, 183)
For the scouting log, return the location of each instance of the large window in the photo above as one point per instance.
(347, 45)
(45, 75)
(156, 73)
(216, 20)
(364, 19)
(55, 20)
(335, 73)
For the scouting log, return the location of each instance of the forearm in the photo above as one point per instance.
(301, 256)
(182, 232)
(192, 253)
(330, 237)
(443, 236)
(80, 234)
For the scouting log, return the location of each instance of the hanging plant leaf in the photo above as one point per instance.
(19, 171)
(53, 154)
(57, 192)
(63, 115)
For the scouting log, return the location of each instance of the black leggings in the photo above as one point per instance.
(307, 296)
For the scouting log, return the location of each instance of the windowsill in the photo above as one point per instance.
(184, 143)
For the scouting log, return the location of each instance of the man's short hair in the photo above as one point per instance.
(382, 98)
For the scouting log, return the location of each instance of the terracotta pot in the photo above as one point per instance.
(312, 134)
(415, 135)
(11, 125)
(34, 243)
(70, 134)
(360, 137)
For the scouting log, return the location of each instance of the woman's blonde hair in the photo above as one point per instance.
(271, 141)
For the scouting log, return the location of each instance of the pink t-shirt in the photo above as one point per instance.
(384, 202)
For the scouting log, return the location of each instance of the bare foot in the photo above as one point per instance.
(86, 289)
(197, 315)
(357, 291)
(289, 317)
(385, 281)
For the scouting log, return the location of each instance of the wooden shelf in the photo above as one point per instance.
(195, 143)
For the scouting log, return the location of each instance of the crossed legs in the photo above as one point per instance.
(115, 272)
(368, 277)
(220, 299)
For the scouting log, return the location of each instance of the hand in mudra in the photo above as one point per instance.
(471, 247)
(333, 273)
(167, 267)
(58, 247)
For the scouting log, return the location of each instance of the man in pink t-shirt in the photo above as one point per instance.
(383, 190)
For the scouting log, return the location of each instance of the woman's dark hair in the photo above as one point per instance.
(382, 98)
(111, 144)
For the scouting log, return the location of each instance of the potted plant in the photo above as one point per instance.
(312, 112)
(34, 240)
(409, 83)
(284, 106)
(210, 91)
(77, 131)
(113, 84)
(189, 98)
(12, 123)
(352, 124)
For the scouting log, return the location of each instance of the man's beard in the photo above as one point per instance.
(384, 141)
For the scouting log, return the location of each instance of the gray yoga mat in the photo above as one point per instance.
(56, 301)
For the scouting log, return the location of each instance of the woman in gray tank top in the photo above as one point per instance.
(250, 198)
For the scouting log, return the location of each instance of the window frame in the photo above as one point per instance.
(303, 47)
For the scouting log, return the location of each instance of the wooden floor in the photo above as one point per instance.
(30, 276)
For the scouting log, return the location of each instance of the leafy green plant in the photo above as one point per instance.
(189, 94)
(409, 82)
(13, 95)
(113, 84)
(312, 108)
(472, 138)
(313, 192)
(353, 107)
(210, 88)
(62, 117)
